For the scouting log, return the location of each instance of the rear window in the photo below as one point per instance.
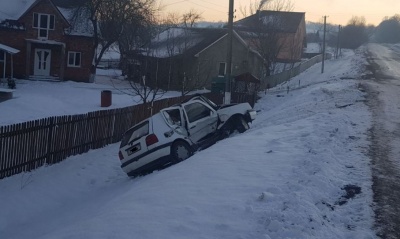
(135, 133)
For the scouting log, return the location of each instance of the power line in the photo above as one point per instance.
(206, 7)
(175, 3)
(218, 5)
(213, 9)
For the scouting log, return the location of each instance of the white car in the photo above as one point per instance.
(175, 133)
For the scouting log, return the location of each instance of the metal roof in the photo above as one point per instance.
(275, 21)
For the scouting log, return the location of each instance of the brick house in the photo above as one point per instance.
(51, 45)
(288, 27)
(192, 57)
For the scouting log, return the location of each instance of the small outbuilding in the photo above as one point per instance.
(4, 50)
(246, 83)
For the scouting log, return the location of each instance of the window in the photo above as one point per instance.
(74, 59)
(173, 117)
(135, 133)
(44, 23)
(222, 69)
(197, 111)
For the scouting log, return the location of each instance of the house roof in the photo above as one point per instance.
(285, 22)
(177, 40)
(78, 20)
(69, 3)
(13, 10)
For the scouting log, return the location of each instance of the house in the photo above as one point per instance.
(189, 58)
(51, 44)
(283, 31)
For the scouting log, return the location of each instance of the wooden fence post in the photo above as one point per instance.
(49, 141)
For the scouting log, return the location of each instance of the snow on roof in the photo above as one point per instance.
(177, 40)
(173, 41)
(14, 9)
(172, 32)
(45, 41)
(80, 24)
(8, 49)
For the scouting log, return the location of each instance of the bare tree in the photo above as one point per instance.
(187, 76)
(354, 34)
(196, 78)
(137, 32)
(109, 19)
(268, 41)
(190, 18)
(279, 5)
(260, 5)
(388, 31)
(178, 39)
(295, 49)
(163, 64)
(143, 80)
(173, 19)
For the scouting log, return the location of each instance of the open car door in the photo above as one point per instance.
(201, 119)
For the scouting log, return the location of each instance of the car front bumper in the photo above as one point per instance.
(251, 115)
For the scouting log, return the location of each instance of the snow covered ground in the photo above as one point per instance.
(39, 99)
(283, 178)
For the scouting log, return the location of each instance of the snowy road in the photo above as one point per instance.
(384, 102)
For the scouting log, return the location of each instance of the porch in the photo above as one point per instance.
(4, 51)
(45, 60)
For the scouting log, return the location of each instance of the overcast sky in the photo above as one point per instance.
(338, 11)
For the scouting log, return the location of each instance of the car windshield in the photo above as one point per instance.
(135, 133)
(212, 104)
(206, 100)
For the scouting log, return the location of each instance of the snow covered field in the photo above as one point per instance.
(39, 99)
(284, 178)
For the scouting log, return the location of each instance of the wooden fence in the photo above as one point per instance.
(29, 145)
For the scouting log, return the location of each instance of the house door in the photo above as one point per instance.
(42, 62)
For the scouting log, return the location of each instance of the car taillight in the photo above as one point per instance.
(121, 157)
(151, 139)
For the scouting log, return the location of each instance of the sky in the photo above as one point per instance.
(283, 178)
(338, 11)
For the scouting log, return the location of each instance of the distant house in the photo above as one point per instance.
(288, 27)
(51, 45)
(191, 57)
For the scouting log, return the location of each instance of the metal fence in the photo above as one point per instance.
(29, 145)
(274, 80)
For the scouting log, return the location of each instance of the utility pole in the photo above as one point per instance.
(227, 96)
(338, 42)
(323, 47)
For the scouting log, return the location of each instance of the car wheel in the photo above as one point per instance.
(180, 151)
(227, 129)
(241, 125)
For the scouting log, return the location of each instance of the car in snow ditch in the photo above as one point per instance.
(175, 133)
